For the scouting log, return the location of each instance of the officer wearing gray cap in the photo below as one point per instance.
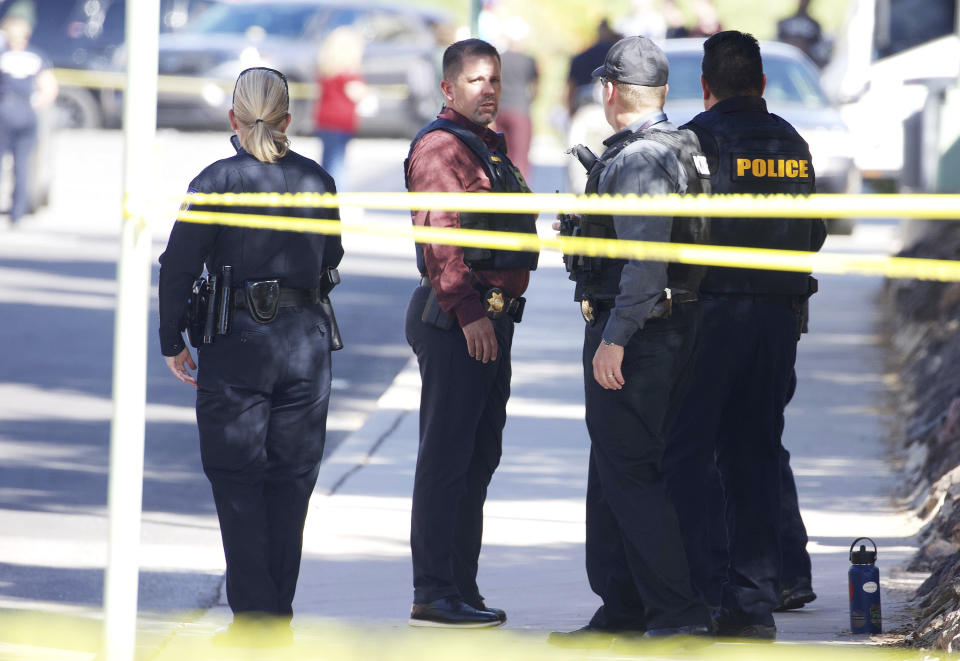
(640, 324)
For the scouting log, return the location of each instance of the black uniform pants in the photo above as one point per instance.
(262, 412)
(635, 557)
(462, 413)
(708, 545)
(20, 142)
(731, 420)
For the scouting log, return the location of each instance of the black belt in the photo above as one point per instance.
(495, 303)
(592, 308)
(289, 298)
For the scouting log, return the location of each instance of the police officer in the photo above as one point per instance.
(27, 85)
(731, 418)
(641, 320)
(460, 325)
(262, 386)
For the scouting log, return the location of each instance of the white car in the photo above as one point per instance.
(793, 92)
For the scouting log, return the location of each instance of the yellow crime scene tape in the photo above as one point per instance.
(117, 80)
(28, 637)
(672, 205)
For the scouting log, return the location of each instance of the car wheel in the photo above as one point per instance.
(77, 108)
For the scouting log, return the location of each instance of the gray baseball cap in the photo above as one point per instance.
(635, 61)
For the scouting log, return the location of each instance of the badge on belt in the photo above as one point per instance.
(494, 303)
(586, 309)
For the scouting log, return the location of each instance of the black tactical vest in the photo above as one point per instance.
(761, 154)
(504, 178)
(599, 278)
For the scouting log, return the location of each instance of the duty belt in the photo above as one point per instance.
(496, 303)
(592, 308)
(289, 297)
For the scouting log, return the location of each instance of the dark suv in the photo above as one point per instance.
(85, 35)
(400, 63)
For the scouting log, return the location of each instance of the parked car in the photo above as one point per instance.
(793, 91)
(400, 63)
(86, 35)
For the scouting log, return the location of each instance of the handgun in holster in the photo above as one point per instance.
(803, 306)
(328, 280)
(208, 308)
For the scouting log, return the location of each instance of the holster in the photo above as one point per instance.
(263, 299)
(196, 312)
(433, 315)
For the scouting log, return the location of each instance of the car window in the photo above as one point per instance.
(684, 76)
(788, 81)
(274, 19)
(379, 26)
(903, 24)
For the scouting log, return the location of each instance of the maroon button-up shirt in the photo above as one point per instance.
(441, 163)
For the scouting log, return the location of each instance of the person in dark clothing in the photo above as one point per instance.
(802, 30)
(731, 417)
(641, 322)
(580, 79)
(27, 85)
(263, 387)
(460, 324)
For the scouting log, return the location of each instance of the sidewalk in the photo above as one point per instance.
(356, 565)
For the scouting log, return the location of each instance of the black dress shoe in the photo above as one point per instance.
(757, 632)
(499, 612)
(687, 630)
(584, 638)
(795, 595)
(453, 613)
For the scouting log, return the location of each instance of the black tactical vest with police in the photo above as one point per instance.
(504, 178)
(761, 154)
(599, 278)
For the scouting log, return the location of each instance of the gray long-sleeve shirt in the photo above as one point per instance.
(644, 167)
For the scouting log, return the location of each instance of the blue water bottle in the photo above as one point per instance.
(864, 580)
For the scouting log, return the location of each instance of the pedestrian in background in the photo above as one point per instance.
(340, 87)
(521, 79)
(27, 86)
(639, 335)
(460, 325)
(263, 386)
(731, 418)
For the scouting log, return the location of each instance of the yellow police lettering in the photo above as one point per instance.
(792, 169)
(803, 169)
(759, 167)
(743, 164)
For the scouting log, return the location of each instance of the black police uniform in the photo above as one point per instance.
(635, 557)
(731, 418)
(263, 387)
(18, 119)
(462, 401)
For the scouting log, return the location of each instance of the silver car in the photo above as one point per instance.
(793, 92)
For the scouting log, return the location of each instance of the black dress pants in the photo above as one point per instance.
(635, 557)
(462, 413)
(731, 421)
(262, 412)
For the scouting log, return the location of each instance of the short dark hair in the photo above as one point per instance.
(456, 52)
(732, 65)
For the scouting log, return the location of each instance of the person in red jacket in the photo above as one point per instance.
(340, 88)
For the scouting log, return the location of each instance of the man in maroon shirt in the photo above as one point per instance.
(460, 325)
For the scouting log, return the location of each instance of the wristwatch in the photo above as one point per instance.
(607, 342)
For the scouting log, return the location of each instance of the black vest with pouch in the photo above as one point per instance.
(757, 153)
(504, 178)
(598, 278)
